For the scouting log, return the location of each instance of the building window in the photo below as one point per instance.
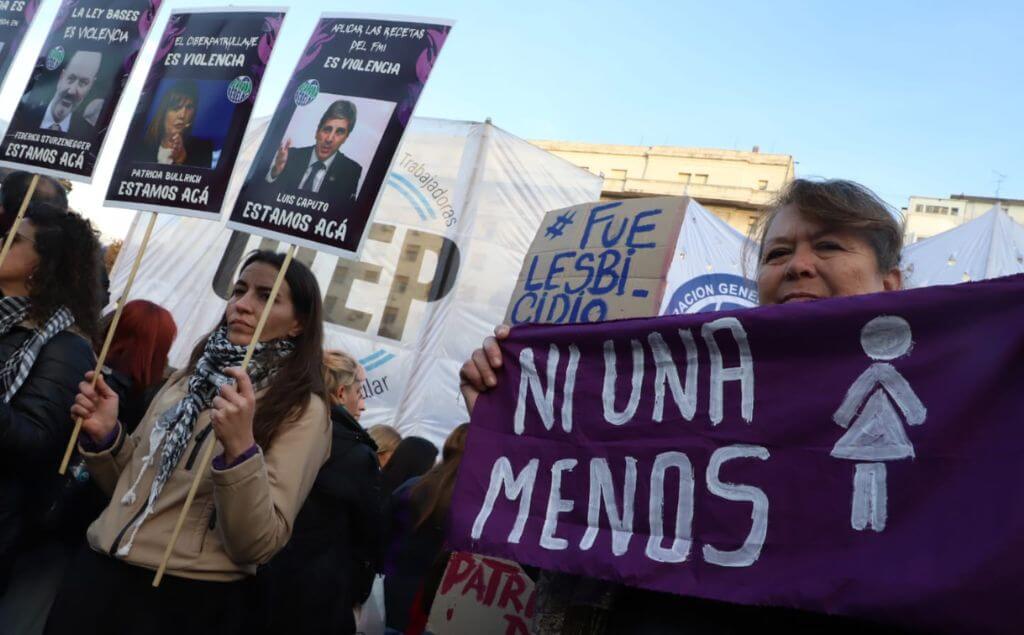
(685, 177)
(617, 175)
(954, 211)
(762, 184)
(937, 209)
(411, 253)
(919, 208)
(700, 179)
(401, 284)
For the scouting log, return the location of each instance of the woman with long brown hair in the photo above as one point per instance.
(417, 513)
(270, 424)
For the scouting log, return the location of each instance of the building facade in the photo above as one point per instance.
(734, 185)
(927, 216)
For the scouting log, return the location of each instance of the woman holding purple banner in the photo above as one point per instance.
(818, 240)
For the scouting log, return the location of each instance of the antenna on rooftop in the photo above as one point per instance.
(1000, 177)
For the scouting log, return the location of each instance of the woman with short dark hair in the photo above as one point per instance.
(819, 239)
(413, 457)
(823, 239)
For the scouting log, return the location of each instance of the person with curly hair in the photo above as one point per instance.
(48, 313)
(15, 185)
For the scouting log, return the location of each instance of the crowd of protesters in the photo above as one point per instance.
(303, 511)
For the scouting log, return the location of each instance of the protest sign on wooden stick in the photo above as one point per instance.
(110, 337)
(207, 456)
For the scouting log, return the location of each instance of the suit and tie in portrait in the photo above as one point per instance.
(63, 111)
(321, 168)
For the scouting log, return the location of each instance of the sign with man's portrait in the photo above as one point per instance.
(193, 111)
(332, 140)
(61, 121)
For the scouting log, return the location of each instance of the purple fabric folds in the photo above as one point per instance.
(861, 456)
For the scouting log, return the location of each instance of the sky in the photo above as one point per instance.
(908, 98)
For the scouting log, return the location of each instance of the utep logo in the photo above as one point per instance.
(715, 292)
(307, 92)
(55, 58)
(239, 89)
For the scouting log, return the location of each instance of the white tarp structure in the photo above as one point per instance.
(708, 272)
(458, 213)
(989, 246)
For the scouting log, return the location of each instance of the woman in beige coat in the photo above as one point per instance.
(272, 432)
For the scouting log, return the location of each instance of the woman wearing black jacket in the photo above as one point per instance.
(327, 567)
(48, 312)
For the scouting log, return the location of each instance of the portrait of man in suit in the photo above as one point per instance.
(63, 113)
(321, 168)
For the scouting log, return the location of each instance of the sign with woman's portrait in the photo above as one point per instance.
(193, 112)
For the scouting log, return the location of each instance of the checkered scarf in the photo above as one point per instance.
(15, 369)
(174, 428)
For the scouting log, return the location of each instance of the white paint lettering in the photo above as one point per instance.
(683, 536)
(744, 373)
(750, 551)
(603, 490)
(520, 487)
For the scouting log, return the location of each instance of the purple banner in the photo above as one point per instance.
(63, 116)
(193, 112)
(858, 456)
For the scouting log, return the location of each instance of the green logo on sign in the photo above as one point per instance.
(307, 92)
(239, 89)
(55, 58)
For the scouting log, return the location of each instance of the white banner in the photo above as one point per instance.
(457, 215)
(708, 271)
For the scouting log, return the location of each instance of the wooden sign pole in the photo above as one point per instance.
(17, 219)
(110, 337)
(207, 455)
